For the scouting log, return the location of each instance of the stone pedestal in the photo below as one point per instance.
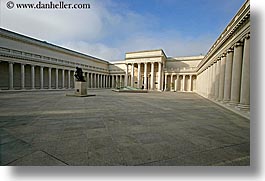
(80, 88)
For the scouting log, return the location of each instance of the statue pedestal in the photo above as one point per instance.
(80, 88)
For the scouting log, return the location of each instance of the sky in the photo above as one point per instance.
(110, 28)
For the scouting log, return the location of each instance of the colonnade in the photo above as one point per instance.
(227, 79)
(154, 77)
(146, 79)
(180, 82)
(19, 76)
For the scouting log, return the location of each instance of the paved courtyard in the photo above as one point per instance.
(49, 128)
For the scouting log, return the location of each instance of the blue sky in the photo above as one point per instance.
(112, 27)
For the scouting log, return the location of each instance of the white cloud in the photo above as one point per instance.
(107, 30)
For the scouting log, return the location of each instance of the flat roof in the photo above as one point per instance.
(50, 45)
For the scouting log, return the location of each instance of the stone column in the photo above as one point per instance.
(50, 77)
(117, 81)
(245, 81)
(228, 75)
(190, 84)
(171, 82)
(145, 76)
(132, 75)
(11, 75)
(159, 75)
(152, 75)
(91, 80)
(41, 77)
(126, 75)
(87, 80)
(32, 76)
(210, 82)
(162, 78)
(176, 83)
(165, 82)
(56, 78)
(139, 77)
(213, 81)
(69, 79)
(63, 81)
(222, 78)
(183, 87)
(217, 75)
(113, 83)
(103, 81)
(22, 76)
(236, 74)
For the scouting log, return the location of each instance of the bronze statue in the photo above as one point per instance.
(79, 75)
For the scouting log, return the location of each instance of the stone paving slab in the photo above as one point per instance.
(153, 129)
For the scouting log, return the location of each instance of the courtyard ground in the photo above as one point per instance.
(49, 128)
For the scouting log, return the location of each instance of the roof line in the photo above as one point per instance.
(44, 43)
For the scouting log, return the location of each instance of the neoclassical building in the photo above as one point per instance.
(222, 75)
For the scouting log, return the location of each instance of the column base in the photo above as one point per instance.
(233, 103)
(244, 107)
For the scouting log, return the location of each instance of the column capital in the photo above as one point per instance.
(237, 44)
(247, 36)
(32, 65)
(139, 63)
(11, 62)
(230, 50)
(152, 63)
(223, 55)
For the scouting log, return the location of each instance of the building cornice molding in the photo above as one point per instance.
(235, 24)
(34, 58)
(32, 41)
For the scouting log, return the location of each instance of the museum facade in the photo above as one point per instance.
(222, 75)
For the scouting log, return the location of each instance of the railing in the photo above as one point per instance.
(45, 59)
(183, 69)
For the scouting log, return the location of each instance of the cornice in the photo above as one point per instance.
(32, 41)
(236, 23)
